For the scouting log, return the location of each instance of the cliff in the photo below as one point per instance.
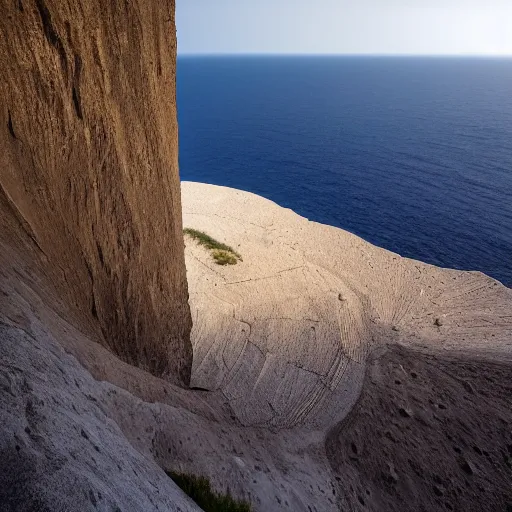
(328, 374)
(309, 303)
(89, 185)
(327, 370)
(373, 382)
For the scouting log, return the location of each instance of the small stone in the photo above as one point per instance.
(468, 387)
(438, 322)
(390, 436)
(392, 473)
(405, 413)
(466, 466)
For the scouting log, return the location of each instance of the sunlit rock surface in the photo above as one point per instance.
(89, 185)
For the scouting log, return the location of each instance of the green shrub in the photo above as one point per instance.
(222, 254)
(224, 257)
(199, 489)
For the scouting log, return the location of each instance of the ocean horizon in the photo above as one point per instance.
(351, 55)
(413, 154)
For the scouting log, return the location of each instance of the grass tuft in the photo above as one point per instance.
(199, 489)
(224, 257)
(222, 254)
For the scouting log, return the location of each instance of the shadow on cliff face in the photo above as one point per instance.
(426, 435)
(19, 473)
(91, 250)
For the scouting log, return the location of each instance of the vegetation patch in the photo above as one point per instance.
(222, 254)
(199, 489)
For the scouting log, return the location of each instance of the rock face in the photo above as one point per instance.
(332, 375)
(391, 374)
(286, 333)
(382, 409)
(440, 429)
(89, 185)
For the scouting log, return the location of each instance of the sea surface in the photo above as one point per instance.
(411, 154)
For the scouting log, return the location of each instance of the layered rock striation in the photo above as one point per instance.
(328, 374)
(286, 333)
(398, 399)
(89, 186)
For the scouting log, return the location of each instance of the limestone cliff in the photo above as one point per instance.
(340, 375)
(329, 374)
(89, 185)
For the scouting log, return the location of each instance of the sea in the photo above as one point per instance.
(412, 154)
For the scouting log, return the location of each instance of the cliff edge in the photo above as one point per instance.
(328, 375)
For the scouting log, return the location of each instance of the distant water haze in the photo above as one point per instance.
(412, 154)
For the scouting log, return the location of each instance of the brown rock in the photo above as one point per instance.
(89, 185)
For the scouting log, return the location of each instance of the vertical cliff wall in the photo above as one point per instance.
(89, 167)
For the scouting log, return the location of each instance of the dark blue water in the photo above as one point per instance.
(412, 154)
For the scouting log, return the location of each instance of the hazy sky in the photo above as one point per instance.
(345, 26)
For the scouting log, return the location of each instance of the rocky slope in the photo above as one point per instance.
(289, 329)
(428, 433)
(401, 402)
(89, 186)
(286, 335)
(328, 374)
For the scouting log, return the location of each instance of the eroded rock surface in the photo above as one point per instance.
(61, 449)
(328, 369)
(89, 186)
(428, 433)
(285, 333)
(420, 421)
